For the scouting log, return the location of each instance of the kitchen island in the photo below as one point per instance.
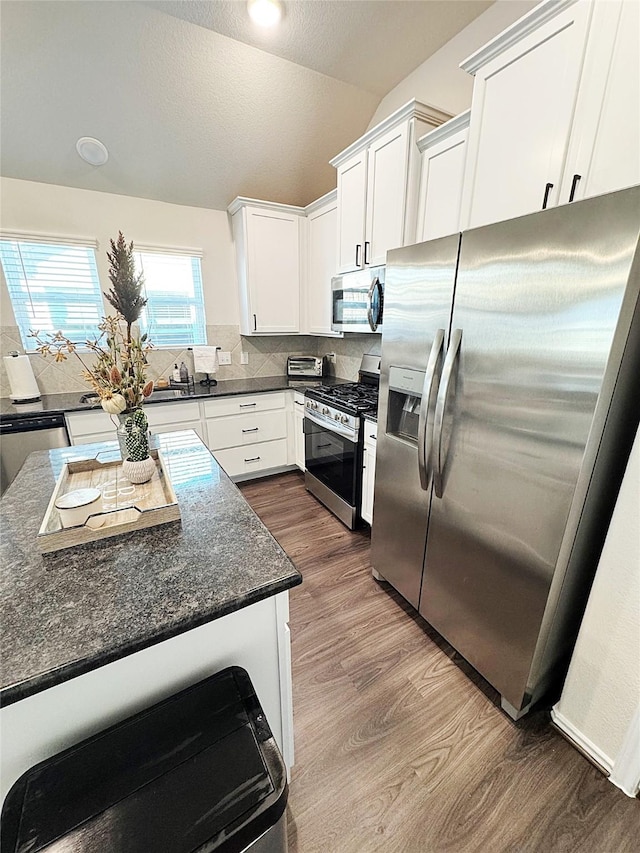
(92, 634)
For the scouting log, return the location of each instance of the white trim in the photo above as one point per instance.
(167, 250)
(240, 202)
(459, 122)
(583, 744)
(626, 769)
(327, 198)
(53, 239)
(539, 15)
(412, 109)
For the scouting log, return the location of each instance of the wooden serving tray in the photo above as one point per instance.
(125, 507)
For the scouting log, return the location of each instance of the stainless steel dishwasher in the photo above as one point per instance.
(23, 435)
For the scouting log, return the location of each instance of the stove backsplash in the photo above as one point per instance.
(267, 357)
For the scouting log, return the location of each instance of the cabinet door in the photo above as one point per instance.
(273, 249)
(352, 189)
(523, 102)
(368, 469)
(604, 153)
(322, 266)
(441, 176)
(386, 194)
(298, 430)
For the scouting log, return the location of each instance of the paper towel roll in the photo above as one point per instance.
(21, 379)
(205, 359)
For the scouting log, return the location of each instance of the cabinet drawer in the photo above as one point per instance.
(242, 405)
(370, 430)
(173, 414)
(245, 461)
(238, 430)
(90, 423)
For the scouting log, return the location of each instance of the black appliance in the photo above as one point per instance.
(333, 440)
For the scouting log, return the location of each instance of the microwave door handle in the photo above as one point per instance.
(373, 324)
(380, 301)
(441, 406)
(425, 432)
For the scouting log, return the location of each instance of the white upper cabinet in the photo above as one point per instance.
(523, 99)
(554, 115)
(604, 150)
(377, 187)
(352, 201)
(442, 155)
(267, 243)
(321, 264)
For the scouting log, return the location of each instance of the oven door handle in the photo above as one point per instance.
(425, 424)
(343, 431)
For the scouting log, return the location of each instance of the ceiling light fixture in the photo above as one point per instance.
(92, 150)
(265, 13)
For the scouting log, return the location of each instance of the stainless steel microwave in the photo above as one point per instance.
(357, 301)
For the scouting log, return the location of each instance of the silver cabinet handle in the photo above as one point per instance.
(253, 429)
(253, 459)
(441, 407)
(247, 405)
(425, 428)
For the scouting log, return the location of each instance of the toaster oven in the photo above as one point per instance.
(305, 365)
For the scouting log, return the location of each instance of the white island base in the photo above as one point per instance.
(255, 638)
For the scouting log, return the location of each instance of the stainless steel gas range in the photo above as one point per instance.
(333, 438)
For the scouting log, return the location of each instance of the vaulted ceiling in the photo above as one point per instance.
(194, 103)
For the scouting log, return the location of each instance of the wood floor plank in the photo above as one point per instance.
(401, 746)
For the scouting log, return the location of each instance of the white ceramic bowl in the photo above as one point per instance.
(76, 507)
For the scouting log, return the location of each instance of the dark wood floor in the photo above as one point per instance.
(400, 746)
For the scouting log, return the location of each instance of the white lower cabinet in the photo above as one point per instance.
(96, 425)
(298, 426)
(368, 470)
(248, 434)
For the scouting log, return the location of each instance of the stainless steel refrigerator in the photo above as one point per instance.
(509, 398)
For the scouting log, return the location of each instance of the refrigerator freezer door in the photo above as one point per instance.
(538, 300)
(418, 297)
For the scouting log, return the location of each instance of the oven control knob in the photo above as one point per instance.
(325, 411)
(344, 419)
(337, 416)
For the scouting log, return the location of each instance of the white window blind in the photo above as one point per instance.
(52, 288)
(174, 315)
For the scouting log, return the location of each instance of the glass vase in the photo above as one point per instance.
(121, 433)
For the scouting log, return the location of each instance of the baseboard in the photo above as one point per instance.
(590, 751)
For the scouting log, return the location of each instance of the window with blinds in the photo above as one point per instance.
(53, 287)
(174, 314)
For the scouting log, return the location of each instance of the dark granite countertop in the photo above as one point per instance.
(70, 612)
(70, 402)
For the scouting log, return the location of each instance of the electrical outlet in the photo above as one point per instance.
(224, 357)
(244, 358)
(331, 357)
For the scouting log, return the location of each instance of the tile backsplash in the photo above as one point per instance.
(267, 357)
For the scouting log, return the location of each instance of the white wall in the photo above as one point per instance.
(439, 81)
(50, 209)
(601, 694)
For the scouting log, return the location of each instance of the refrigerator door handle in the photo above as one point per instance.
(425, 433)
(441, 407)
